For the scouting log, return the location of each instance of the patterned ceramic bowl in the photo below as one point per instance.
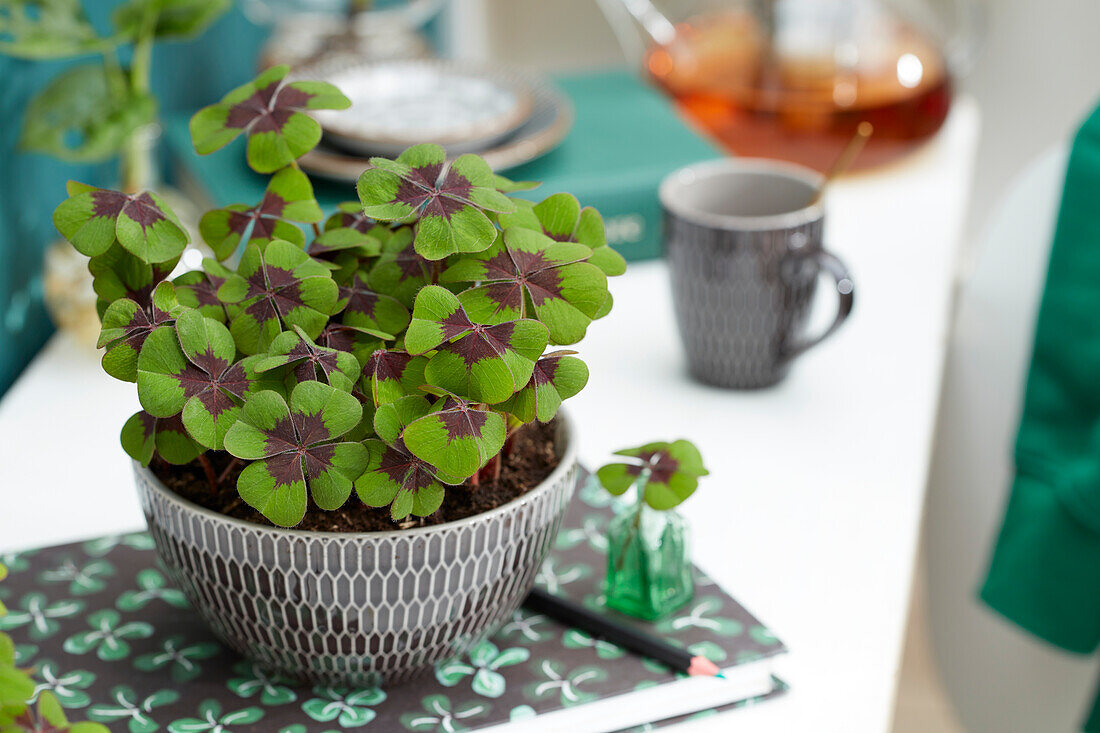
(358, 608)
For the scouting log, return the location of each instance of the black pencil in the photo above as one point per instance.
(628, 637)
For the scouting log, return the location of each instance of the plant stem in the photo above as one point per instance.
(208, 468)
(229, 469)
(134, 158)
(437, 270)
(316, 230)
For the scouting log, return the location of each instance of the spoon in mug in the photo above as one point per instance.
(851, 150)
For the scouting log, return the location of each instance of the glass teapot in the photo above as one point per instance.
(792, 79)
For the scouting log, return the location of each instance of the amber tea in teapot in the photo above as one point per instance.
(781, 95)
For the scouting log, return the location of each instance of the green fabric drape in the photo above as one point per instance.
(187, 75)
(1045, 570)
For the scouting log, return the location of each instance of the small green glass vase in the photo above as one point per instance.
(648, 566)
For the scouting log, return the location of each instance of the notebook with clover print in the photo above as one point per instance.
(108, 634)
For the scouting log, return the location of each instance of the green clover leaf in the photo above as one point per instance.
(126, 326)
(399, 270)
(450, 203)
(143, 435)
(483, 363)
(309, 361)
(555, 378)
(273, 289)
(93, 219)
(151, 586)
(526, 273)
(273, 115)
(101, 546)
(190, 370)
(456, 438)
(667, 473)
(561, 218)
(577, 639)
(296, 445)
(288, 198)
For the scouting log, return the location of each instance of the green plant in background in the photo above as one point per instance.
(17, 687)
(91, 112)
(648, 564)
(391, 351)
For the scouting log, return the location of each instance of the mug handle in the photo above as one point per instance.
(845, 291)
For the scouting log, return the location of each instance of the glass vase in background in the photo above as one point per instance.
(792, 79)
(648, 563)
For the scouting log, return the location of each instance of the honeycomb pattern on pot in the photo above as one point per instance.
(740, 298)
(356, 609)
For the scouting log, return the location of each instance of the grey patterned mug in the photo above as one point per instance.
(743, 243)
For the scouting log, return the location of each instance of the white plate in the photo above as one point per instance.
(395, 104)
(548, 125)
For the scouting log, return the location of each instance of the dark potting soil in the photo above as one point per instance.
(532, 458)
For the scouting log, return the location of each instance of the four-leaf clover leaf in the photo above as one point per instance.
(93, 219)
(294, 445)
(667, 473)
(449, 202)
(190, 370)
(288, 198)
(528, 273)
(483, 363)
(275, 288)
(272, 113)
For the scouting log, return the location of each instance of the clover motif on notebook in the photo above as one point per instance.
(137, 712)
(212, 720)
(83, 579)
(440, 716)
(570, 686)
(178, 656)
(485, 660)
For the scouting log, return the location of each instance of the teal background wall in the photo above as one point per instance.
(187, 75)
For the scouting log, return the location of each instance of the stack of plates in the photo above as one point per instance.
(507, 118)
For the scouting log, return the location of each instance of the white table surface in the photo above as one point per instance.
(811, 513)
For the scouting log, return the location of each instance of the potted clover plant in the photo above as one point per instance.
(349, 453)
(648, 563)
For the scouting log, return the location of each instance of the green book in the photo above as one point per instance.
(626, 138)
